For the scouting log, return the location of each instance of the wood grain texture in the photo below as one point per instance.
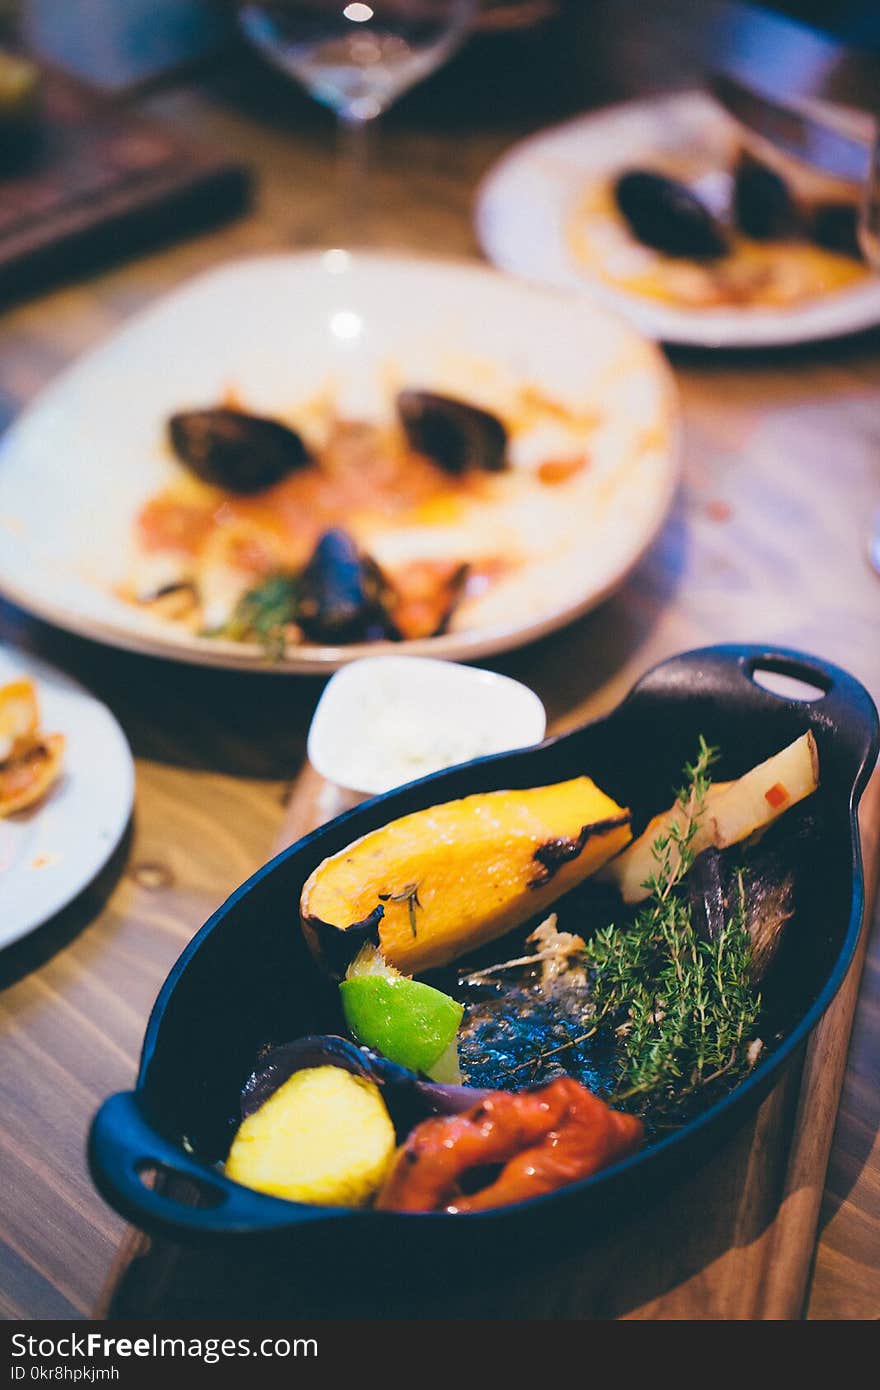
(766, 541)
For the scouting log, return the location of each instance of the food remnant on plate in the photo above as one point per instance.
(44, 861)
(439, 882)
(653, 234)
(344, 530)
(324, 1137)
(30, 760)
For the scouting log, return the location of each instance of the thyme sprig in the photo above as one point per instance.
(263, 614)
(683, 1009)
(408, 895)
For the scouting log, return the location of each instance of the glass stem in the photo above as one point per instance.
(354, 184)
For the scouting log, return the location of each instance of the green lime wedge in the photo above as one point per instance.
(408, 1022)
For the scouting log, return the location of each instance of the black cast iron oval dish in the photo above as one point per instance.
(247, 978)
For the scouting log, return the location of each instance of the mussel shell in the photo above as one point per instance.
(768, 887)
(665, 215)
(340, 593)
(454, 434)
(229, 449)
(708, 894)
(836, 227)
(763, 205)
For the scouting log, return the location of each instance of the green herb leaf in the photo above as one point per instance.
(263, 614)
(683, 1010)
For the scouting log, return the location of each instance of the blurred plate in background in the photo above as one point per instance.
(528, 205)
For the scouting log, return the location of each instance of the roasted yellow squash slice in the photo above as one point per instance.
(440, 882)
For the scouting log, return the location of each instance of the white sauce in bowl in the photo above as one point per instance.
(387, 720)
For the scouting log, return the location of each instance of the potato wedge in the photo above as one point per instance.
(440, 882)
(732, 811)
(324, 1137)
(757, 799)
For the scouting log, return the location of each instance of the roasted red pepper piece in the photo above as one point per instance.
(545, 1139)
(776, 796)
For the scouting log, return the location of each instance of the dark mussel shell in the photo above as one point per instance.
(763, 205)
(768, 888)
(341, 593)
(229, 449)
(457, 436)
(667, 216)
(708, 894)
(836, 227)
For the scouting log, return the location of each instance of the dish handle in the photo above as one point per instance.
(189, 1201)
(839, 705)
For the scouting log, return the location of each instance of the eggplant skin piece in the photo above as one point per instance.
(459, 437)
(341, 594)
(667, 216)
(238, 452)
(762, 203)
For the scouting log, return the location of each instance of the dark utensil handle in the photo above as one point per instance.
(844, 709)
(123, 1145)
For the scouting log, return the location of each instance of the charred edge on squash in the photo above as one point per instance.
(338, 946)
(552, 855)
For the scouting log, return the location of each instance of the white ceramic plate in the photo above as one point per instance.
(526, 203)
(77, 465)
(50, 852)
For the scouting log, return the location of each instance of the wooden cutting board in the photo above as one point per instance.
(734, 1240)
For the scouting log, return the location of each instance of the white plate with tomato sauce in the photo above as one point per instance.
(588, 405)
(546, 212)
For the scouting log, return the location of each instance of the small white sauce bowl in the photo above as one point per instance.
(387, 720)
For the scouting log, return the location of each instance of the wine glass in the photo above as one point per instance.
(869, 240)
(357, 59)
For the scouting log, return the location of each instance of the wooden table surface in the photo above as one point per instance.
(765, 542)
